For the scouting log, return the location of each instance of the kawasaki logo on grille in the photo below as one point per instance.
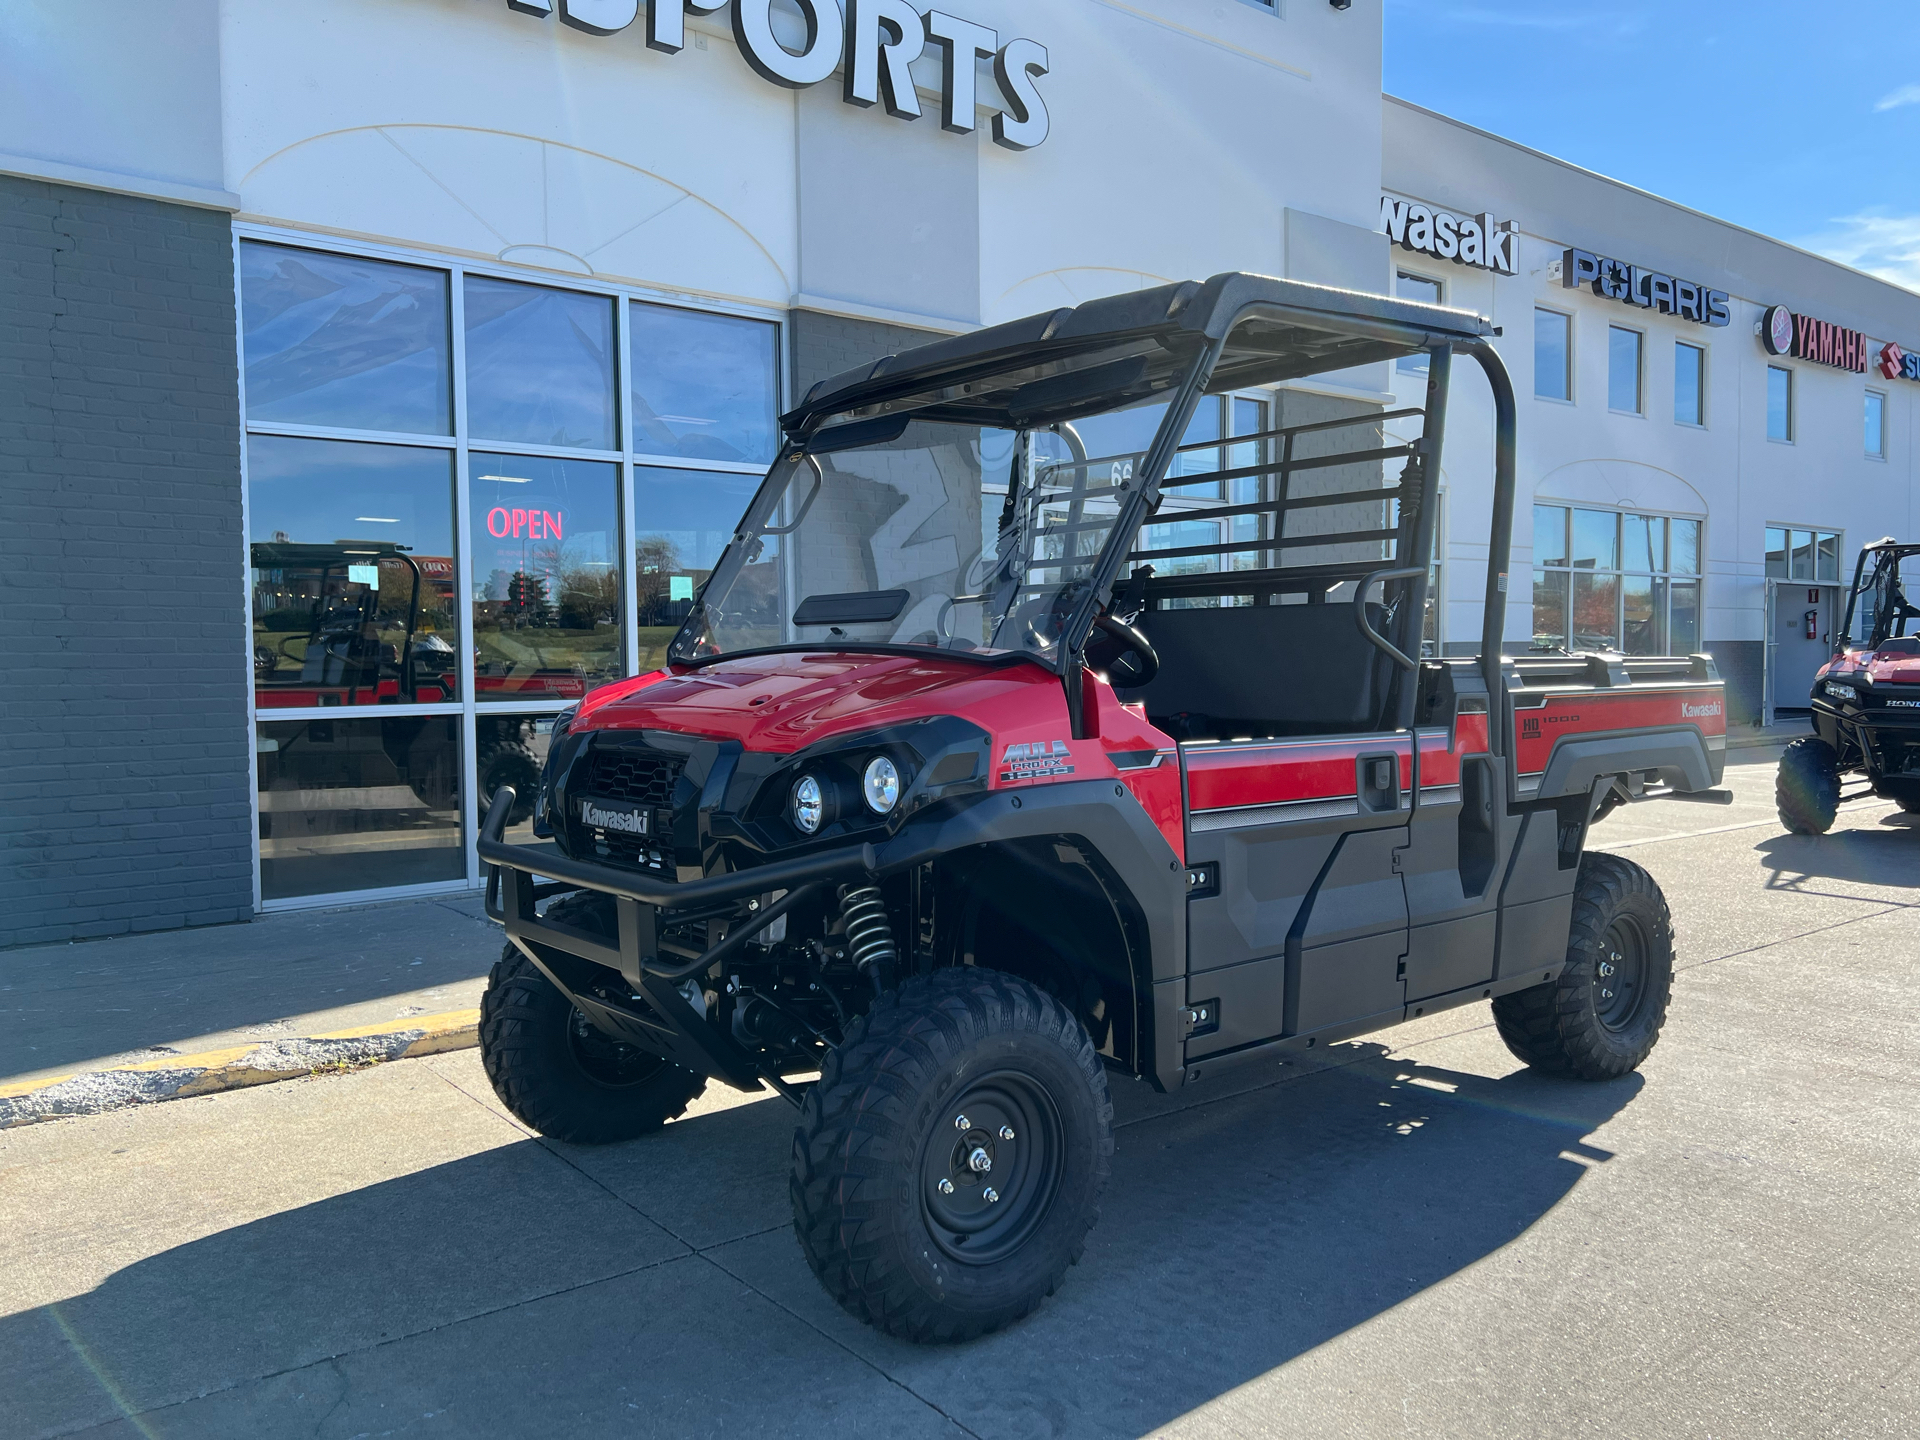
(627, 819)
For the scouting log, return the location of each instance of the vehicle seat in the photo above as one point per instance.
(1264, 670)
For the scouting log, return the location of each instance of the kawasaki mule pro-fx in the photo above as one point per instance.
(1035, 723)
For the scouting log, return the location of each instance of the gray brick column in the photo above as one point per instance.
(123, 793)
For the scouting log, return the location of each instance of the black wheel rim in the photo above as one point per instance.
(1620, 976)
(991, 1168)
(605, 1060)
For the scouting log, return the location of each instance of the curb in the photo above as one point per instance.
(176, 1077)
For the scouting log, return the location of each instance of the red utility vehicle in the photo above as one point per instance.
(1866, 702)
(1030, 729)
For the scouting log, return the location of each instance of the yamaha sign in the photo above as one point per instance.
(873, 42)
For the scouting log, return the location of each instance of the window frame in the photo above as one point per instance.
(1416, 364)
(1700, 385)
(1870, 396)
(1639, 410)
(1567, 317)
(1788, 438)
(1814, 534)
(469, 709)
(1663, 575)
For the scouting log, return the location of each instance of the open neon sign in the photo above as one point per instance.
(515, 524)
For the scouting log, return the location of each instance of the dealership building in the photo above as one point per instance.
(382, 375)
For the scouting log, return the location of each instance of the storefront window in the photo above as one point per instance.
(705, 387)
(511, 750)
(539, 365)
(350, 804)
(1607, 580)
(1595, 539)
(1550, 609)
(351, 548)
(343, 342)
(1643, 615)
(682, 521)
(355, 541)
(546, 575)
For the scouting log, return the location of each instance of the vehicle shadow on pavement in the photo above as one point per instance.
(1880, 857)
(529, 1290)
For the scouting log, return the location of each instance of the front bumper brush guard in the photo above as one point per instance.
(671, 1027)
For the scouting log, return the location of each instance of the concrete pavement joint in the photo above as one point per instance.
(1891, 907)
(1721, 829)
(134, 1416)
(788, 1311)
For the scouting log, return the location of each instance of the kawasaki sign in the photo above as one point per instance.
(872, 43)
(1479, 240)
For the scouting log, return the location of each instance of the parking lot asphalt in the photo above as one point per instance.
(1411, 1236)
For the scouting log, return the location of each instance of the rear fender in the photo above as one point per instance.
(1679, 755)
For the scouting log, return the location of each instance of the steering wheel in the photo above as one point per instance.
(1123, 653)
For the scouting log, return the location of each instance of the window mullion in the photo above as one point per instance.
(629, 522)
(463, 577)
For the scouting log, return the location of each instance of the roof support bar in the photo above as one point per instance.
(1493, 620)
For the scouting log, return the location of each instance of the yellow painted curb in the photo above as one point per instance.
(235, 1067)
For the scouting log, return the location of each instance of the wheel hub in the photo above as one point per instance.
(991, 1168)
(1618, 984)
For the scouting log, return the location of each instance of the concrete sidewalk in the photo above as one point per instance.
(104, 1023)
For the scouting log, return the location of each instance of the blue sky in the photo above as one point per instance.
(1800, 120)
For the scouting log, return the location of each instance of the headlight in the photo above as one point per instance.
(1842, 692)
(809, 805)
(881, 785)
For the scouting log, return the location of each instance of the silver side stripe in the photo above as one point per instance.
(1716, 742)
(1204, 820)
(1439, 794)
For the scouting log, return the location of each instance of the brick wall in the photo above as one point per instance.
(824, 345)
(123, 796)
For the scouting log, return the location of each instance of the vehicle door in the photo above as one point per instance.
(1297, 919)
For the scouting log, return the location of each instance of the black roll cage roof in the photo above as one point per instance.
(1275, 330)
(1182, 341)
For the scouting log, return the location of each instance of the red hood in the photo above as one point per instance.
(783, 702)
(1899, 667)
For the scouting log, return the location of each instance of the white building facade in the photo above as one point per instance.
(513, 293)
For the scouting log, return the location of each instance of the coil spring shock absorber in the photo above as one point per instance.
(870, 942)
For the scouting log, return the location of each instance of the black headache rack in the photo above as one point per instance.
(647, 1007)
(1181, 340)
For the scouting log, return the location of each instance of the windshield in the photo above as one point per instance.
(1885, 604)
(951, 536)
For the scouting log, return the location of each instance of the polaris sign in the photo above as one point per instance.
(1480, 241)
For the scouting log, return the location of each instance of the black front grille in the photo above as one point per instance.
(638, 776)
(644, 777)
